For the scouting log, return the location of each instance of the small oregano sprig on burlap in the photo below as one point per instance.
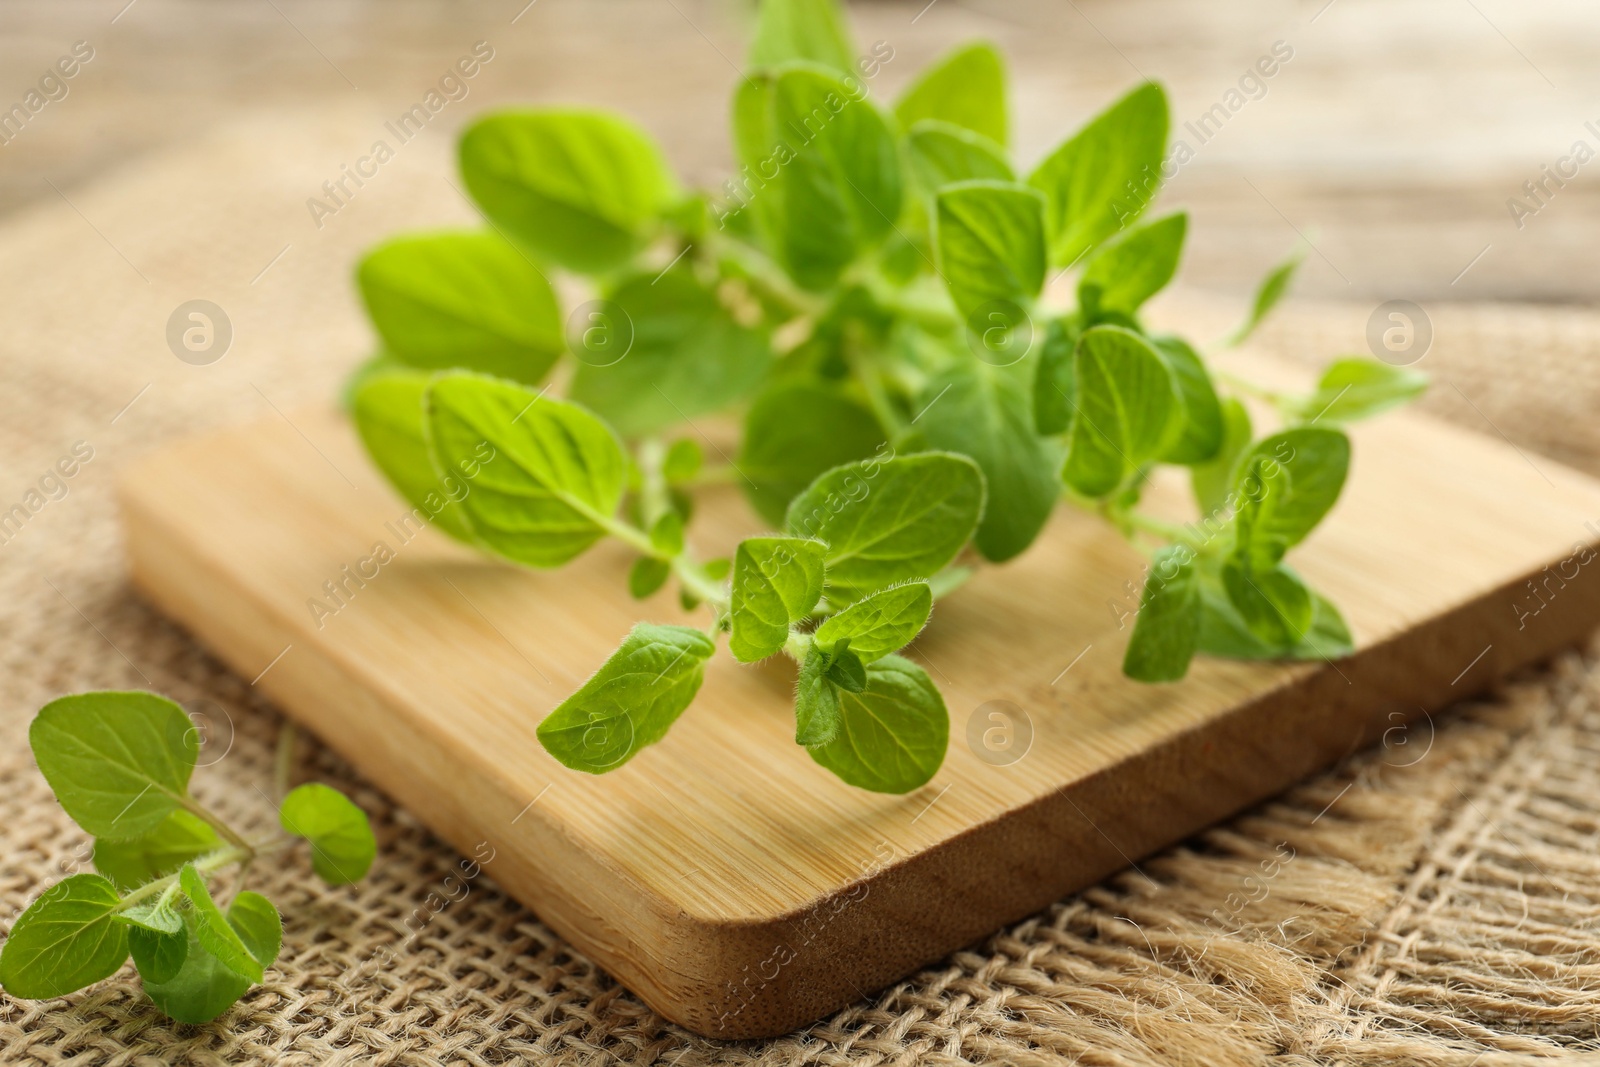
(867, 295)
(119, 764)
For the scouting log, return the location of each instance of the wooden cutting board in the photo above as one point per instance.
(736, 886)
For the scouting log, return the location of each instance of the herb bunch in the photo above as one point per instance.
(868, 296)
(119, 764)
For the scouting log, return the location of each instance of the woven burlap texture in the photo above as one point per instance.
(1435, 901)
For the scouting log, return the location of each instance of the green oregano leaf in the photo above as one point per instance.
(1105, 175)
(846, 670)
(1203, 428)
(891, 736)
(65, 940)
(549, 476)
(889, 521)
(836, 190)
(1356, 388)
(585, 189)
(204, 986)
(1271, 291)
(465, 300)
(1122, 276)
(119, 763)
(795, 432)
(876, 625)
(1214, 479)
(802, 29)
(132, 862)
(687, 355)
(941, 154)
(159, 915)
(256, 921)
(1054, 388)
(966, 87)
(990, 239)
(816, 701)
(1223, 632)
(159, 955)
(683, 461)
(1286, 484)
(1167, 628)
(647, 575)
(342, 843)
(1125, 410)
(212, 929)
(666, 533)
(984, 412)
(387, 406)
(777, 581)
(631, 701)
(1274, 603)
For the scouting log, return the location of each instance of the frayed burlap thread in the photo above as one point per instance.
(1434, 901)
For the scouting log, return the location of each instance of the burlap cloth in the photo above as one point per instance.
(1436, 901)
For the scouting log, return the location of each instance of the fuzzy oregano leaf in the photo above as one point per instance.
(631, 701)
(816, 701)
(65, 940)
(876, 625)
(966, 88)
(342, 844)
(160, 916)
(892, 735)
(119, 763)
(585, 189)
(777, 581)
(390, 418)
(889, 521)
(204, 986)
(466, 300)
(549, 475)
(1086, 181)
(159, 954)
(212, 929)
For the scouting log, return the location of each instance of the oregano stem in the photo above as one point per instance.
(766, 276)
(653, 499)
(201, 812)
(797, 646)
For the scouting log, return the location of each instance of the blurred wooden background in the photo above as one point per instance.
(1392, 139)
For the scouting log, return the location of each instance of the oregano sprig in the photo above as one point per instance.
(119, 764)
(868, 295)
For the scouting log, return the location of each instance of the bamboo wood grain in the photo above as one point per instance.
(737, 887)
